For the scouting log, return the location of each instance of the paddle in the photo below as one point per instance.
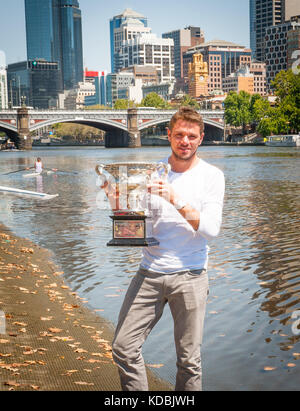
(16, 171)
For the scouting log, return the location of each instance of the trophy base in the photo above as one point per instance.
(129, 230)
(133, 242)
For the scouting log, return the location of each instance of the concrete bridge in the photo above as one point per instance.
(123, 127)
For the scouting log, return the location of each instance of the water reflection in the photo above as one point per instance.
(254, 265)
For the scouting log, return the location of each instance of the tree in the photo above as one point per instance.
(287, 88)
(123, 104)
(97, 107)
(154, 100)
(237, 109)
(260, 109)
(190, 101)
(76, 131)
(242, 109)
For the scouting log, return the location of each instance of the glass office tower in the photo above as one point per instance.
(71, 43)
(54, 33)
(263, 14)
(253, 27)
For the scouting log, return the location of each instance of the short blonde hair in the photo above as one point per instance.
(187, 114)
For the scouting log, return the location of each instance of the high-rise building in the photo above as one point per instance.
(149, 50)
(54, 34)
(276, 50)
(38, 81)
(252, 14)
(183, 39)
(263, 14)
(71, 42)
(267, 13)
(123, 27)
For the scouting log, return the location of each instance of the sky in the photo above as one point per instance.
(220, 19)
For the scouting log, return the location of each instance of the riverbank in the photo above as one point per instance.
(50, 341)
(153, 142)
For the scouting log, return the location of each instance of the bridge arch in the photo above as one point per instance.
(7, 127)
(214, 130)
(166, 120)
(103, 124)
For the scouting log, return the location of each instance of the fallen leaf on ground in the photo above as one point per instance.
(12, 383)
(69, 372)
(54, 330)
(27, 250)
(35, 387)
(80, 350)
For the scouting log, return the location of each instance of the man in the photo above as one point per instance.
(188, 213)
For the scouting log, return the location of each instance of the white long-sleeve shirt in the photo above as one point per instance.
(180, 246)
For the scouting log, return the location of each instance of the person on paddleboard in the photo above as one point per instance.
(38, 165)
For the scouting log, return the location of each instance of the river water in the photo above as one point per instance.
(251, 335)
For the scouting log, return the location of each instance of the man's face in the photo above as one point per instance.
(185, 139)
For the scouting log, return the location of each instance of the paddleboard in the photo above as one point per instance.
(28, 175)
(31, 175)
(26, 193)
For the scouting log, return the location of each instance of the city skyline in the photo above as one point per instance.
(231, 24)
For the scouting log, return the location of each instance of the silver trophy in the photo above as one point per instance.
(128, 185)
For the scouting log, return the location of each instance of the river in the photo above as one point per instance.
(251, 339)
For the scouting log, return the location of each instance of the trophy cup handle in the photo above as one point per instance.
(104, 175)
(164, 168)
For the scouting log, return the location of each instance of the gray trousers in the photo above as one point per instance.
(186, 293)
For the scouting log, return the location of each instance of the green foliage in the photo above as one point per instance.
(238, 109)
(77, 131)
(287, 88)
(189, 101)
(97, 107)
(154, 100)
(243, 109)
(123, 104)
